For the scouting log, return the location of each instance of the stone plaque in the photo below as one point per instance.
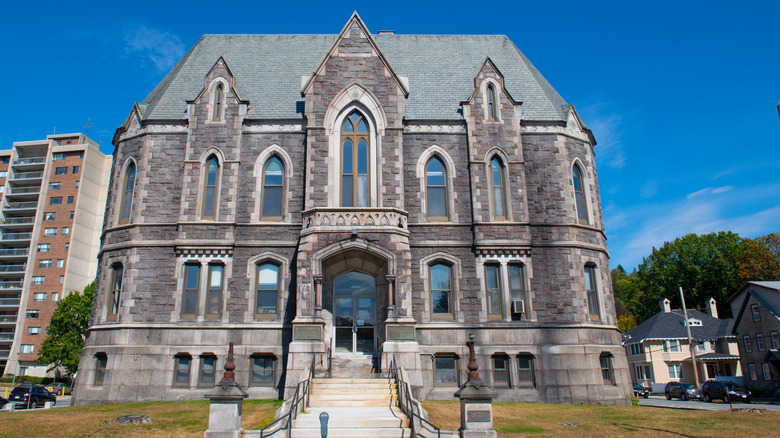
(400, 333)
(307, 333)
(478, 416)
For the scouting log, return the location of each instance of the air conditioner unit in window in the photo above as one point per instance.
(518, 306)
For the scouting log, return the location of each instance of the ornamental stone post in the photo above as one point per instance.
(227, 399)
(476, 409)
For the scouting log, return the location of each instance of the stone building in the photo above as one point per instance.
(312, 196)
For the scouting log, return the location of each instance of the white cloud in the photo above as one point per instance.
(608, 131)
(649, 189)
(161, 49)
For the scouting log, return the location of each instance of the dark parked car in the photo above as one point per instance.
(683, 391)
(640, 391)
(30, 396)
(725, 391)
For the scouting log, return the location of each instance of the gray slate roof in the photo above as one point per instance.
(669, 325)
(440, 68)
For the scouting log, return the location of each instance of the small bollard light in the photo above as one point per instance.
(324, 424)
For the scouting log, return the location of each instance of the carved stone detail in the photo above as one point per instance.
(348, 219)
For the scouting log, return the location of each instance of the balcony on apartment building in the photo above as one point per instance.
(12, 269)
(11, 254)
(9, 301)
(15, 238)
(20, 207)
(28, 163)
(17, 223)
(6, 337)
(26, 178)
(11, 285)
(7, 319)
(4, 354)
(23, 193)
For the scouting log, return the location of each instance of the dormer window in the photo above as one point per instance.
(218, 103)
(694, 322)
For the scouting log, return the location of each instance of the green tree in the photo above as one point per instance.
(67, 330)
(704, 265)
(760, 259)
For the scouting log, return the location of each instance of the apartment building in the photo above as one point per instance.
(51, 215)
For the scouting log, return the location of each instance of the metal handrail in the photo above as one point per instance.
(9, 301)
(33, 160)
(28, 204)
(412, 408)
(28, 175)
(14, 252)
(18, 221)
(13, 268)
(298, 403)
(23, 190)
(15, 236)
(10, 284)
(8, 318)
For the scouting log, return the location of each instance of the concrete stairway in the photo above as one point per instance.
(358, 403)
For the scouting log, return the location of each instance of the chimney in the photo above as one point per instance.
(711, 309)
(665, 305)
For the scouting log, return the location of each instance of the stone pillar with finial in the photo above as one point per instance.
(227, 399)
(476, 409)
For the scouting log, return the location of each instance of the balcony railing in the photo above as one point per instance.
(4, 354)
(27, 175)
(32, 160)
(6, 285)
(23, 190)
(15, 236)
(10, 302)
(13, 268)
(342, 218)
(6, 336)
(21, 205)
(14, 252)
(18, 221)
(7, 318)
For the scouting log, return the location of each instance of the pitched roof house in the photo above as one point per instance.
(756, 306)
(658, 351)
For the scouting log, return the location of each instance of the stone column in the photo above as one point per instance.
(318, 296)
(390, 295)
(476, 409)
(227, 399)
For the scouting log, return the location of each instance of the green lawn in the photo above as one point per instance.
(539, 420)
(169, 419)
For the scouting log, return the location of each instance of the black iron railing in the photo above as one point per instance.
(412, 408)
(282, 426)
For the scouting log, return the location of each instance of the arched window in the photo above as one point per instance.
(491, 101)
(436, 189)
(115, 293)
(273, 193)
(267, 289)
(218, 103)
(127, 195)
(579, 195)
(210, 188)
(498, 191)
(441, 289)
(354, 161)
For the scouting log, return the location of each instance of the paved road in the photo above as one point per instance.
(661, 402)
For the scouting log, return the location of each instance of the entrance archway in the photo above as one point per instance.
(354, 313)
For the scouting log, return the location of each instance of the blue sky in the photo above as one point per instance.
(681, 96)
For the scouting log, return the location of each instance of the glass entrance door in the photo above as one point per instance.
(354, 313)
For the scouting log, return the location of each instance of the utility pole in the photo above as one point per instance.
(690, 341)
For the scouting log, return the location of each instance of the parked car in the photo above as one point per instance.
(60, 388)
(3, 402)
(640, 391)
(683, 391)
(726, 391)
(30, 395)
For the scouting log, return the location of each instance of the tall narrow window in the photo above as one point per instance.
(181, 370)
(607, 374)
(354, 161)
(101, 361)
(436, 189)
(493, 284)
(214, 292)
(441, 289)
(210, 188)
(498, 190)
(218, 104)
(273, 184)
(267, 288)
(579, 195)
(500, 371)
(517, 289)
(189, 305)
(590, 287)
(491, 101)
(116, 292)
(207, 374)
(263, 370)
(127, 195)
(525, 370)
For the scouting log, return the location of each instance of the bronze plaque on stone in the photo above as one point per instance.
(307, 333)
(400, 333)
(478, 416)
